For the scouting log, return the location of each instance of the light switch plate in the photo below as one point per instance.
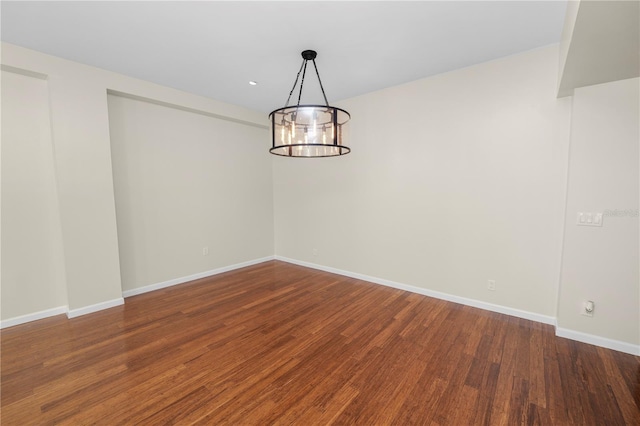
(589, 219)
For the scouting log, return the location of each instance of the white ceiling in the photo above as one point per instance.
(214, 48)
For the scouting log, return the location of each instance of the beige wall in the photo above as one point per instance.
(77, 107)
(600, 43)
(33, 278)
(601, 263)
(186, 181)
(453, 180)
(85, 189)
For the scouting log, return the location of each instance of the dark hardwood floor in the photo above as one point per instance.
(281, 344)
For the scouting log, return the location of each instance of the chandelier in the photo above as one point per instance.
(308, 131)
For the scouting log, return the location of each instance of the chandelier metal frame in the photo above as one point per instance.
(310, 130)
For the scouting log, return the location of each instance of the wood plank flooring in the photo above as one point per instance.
(281, 344)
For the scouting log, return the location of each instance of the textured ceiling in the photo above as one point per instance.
(214, 48)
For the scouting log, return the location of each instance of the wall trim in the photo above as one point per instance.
(591, 339)
(431, 293)
(604, 342)
(95, 308)
(33, 317)
(182, 280)
(25, 72)
(185, 108)
(73, 313)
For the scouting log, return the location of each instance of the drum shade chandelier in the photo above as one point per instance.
(308, 131)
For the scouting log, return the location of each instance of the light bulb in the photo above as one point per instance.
(293, 124)
(315, 122)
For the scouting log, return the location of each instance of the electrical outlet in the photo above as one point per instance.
(315, 252)
(588, 308)
(205, 251)
(491, 285)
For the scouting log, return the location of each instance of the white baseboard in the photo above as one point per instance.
(33, 317)
(95, 308)
(73, 313)
(431, 293)
(591, 339)
(181, 280)
(560, 332)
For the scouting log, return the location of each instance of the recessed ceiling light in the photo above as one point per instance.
(253, 83)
